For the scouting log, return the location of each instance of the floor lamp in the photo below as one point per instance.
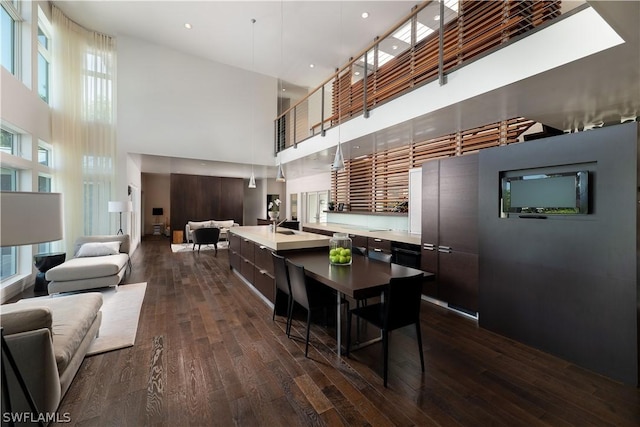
(119, 207)
(27, 219)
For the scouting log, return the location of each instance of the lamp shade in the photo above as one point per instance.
(119, 206)
(30, 218)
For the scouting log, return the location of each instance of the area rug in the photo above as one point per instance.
(188, 247)
(120, 315)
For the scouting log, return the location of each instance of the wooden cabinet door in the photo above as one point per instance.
(430, 202)
(458, 220)
(458, 280)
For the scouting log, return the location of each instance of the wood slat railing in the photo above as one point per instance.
(380, 181)
(479, 27)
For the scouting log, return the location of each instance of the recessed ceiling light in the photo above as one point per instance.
(436, 18)
(311, 65)
(357, 73)
(355, 147)
(284, 90)
(394, 47)
(365, 15)
(187, 26)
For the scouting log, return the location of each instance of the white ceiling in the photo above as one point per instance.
(290, 35)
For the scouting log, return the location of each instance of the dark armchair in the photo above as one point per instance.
(206, 236)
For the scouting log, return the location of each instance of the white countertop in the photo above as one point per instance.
(396, 236)
(263, 235)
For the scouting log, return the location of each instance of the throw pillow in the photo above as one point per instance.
(92, 249)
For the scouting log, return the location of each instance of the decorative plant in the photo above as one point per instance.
(274, 206)
(331, 205)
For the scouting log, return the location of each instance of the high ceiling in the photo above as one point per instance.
(291, 35)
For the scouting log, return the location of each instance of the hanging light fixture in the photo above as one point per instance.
(252, 179)
(338, 161)
(280, 175)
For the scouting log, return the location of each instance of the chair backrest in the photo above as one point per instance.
(402, 301)
(282, 274)
(380, 256)
(298, 282)
(206, 235)
(359, 250)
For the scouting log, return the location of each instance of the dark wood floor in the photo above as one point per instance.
(208, 353)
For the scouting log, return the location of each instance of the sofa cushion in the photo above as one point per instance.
(98, 249)
(194, 225)
(16, 318)
(223, 224)
(72, 317)
(87, 268)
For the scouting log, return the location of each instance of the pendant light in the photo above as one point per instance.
(252, 180)
(338, 161)
(280, 176)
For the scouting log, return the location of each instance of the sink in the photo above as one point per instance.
(287, 232)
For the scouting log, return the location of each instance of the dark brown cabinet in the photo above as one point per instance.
(450, 230)
(379, 245)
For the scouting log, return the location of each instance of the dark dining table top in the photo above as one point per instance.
(363, 278)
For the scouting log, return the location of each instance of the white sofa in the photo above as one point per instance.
(99, 261)
(223, 225)
(48, 338)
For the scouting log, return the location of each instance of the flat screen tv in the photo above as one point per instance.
(565, 193)
(157, 211)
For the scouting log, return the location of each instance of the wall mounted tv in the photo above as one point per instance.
(564, 193)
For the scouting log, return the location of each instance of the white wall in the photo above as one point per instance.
(178, 105)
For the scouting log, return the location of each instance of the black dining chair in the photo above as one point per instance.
(400, 306)
(311, 296)
(283, 288)
(206, 236)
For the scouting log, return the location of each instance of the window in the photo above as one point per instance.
(44, 186)
(8, 255)
(44, 55)
(8, 25)
(9, 144)
(44, 154)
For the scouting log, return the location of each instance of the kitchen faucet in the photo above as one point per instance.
(274, 226)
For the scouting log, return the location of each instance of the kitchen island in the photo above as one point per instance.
(250, 251)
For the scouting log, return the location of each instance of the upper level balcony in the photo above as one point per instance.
(481, 62)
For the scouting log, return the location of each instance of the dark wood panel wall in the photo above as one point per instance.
(199, 198)
(567, 285)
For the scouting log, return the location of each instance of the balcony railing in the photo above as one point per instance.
(419, 50)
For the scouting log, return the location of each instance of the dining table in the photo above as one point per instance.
(363, 278)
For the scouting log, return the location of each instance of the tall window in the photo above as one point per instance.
(8, 255)
(44, 186)
(8, 28)
(44, 55)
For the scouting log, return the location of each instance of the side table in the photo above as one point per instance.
(45, 262)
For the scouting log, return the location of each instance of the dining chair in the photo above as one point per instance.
(283, 288)
(311, 296)
(400, 307)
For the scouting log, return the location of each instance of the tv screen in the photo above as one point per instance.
(565, 193)
(157, 211)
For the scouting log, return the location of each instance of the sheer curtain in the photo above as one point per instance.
(83, 126)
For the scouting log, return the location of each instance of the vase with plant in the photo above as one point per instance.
(274, 209)
(331, 205)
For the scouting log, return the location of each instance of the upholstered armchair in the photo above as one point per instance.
(206, 236)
